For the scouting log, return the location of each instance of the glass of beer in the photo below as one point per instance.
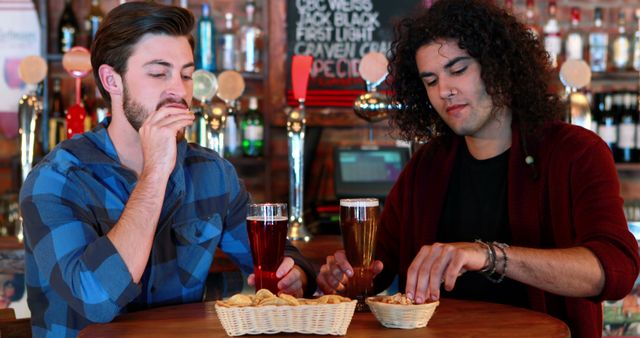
(267, 226)
(359, 224)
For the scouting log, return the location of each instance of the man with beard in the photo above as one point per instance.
(128, 216)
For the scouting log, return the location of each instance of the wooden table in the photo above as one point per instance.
(453, 318)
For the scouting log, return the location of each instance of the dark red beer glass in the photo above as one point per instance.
(267, 226)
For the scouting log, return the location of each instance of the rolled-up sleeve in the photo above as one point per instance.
(600, 223)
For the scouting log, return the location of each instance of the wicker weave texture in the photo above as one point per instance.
(325, 319)
(400, 316)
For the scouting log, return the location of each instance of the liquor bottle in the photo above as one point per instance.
(88, 104)
(596, 110)
(67, 28)
(621, 46)
(636, 44)
(607, 124)
(598, 44)
(205, 44)
(93, 20)
(57, 116)
(232, 141)
(253, 130)
(552, 40)
(626, 128)
(251, 42)
(575, 42)
(228, 45)
(530, 19)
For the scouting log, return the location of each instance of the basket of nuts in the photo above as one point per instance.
(399, 312)
(266, 313)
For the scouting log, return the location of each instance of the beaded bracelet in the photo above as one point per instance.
(502, 247)
(491, 269)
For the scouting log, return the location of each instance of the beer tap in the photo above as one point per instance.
(32, 70)
(230, 88)
(296, 125)
(77, 62)
(574, 75)
(373, 106)
(205, 86)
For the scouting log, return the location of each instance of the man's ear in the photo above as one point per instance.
(111, 80)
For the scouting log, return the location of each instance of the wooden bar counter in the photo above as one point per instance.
(453, 318)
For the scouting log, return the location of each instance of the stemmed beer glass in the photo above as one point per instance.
(359, 224)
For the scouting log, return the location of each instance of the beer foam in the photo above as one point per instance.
(266, 218)
(359, 202)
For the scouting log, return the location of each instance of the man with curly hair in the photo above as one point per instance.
(505, 203)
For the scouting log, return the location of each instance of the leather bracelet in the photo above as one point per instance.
(491, 269)
(491, 257)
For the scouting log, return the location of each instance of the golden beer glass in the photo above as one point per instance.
(359, 225)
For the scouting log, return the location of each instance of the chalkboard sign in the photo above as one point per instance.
(338, 33)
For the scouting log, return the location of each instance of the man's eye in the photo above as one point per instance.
(430, 83)
(157, 75)
(459, 71)
(186, 77)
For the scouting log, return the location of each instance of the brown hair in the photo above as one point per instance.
(125, 25)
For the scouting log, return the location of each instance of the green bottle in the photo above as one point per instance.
(253, 130)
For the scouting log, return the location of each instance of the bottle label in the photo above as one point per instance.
(636, 51)
(621, 52)
(206, 56)
(253, 133)
(574, 46)
(250, 51)
(228, 52)
(608, 133)
(598, 52)
(67, 40)
(231, 141)
(553, 45)
(627, 136)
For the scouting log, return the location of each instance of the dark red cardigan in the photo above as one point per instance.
(574, 201)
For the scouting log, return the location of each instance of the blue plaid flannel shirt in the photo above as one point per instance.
(75, 195)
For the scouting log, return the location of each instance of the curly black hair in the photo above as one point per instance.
(515, 67)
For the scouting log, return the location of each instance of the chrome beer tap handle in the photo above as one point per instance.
(296, 127)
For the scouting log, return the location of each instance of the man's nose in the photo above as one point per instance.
(444, 88)
(178, 87)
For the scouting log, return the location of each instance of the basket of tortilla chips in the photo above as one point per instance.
(399, 312)
(266, 313)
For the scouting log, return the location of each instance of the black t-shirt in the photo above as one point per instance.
(476, 208)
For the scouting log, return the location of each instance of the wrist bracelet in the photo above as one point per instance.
(491, 258)
(491, 269)
(502, 247)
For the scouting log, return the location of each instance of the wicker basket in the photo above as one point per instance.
(402, 316)
(323, 319)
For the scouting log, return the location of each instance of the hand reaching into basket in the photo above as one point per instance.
(335, 273)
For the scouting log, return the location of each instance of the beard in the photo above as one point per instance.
(136, 113)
